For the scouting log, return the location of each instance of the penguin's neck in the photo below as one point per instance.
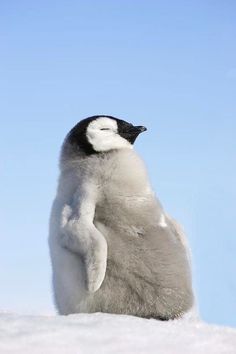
(125, 170)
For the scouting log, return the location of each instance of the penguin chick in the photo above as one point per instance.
(113, 248)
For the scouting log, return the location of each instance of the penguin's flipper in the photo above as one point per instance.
(80, 236)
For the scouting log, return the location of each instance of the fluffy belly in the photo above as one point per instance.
(147, 273)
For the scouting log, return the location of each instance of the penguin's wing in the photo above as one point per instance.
(80, 235)
(179, 232)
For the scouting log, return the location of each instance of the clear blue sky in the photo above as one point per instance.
(168, 65)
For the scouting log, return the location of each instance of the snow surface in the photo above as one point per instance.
(104, 333)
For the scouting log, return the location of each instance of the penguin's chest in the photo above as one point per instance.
(126, 216)
(129, 225)
(126, 208)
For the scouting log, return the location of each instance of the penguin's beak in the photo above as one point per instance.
(132, 133)
(140, 129)
(136, 130)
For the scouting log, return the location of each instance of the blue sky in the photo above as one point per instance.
(168, 65)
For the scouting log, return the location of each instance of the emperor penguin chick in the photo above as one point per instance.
(113, 248)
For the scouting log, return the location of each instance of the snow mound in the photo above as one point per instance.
(106, 334)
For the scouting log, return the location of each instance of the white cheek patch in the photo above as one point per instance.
(162, 221)
(102, 122)
(108, 139)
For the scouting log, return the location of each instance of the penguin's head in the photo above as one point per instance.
(99, 134)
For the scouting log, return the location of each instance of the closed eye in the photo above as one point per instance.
(105, 129)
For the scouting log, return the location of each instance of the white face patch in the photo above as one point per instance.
(102, 133)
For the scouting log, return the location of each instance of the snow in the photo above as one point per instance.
(106, 334)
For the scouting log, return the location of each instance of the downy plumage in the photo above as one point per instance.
(113, 248)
